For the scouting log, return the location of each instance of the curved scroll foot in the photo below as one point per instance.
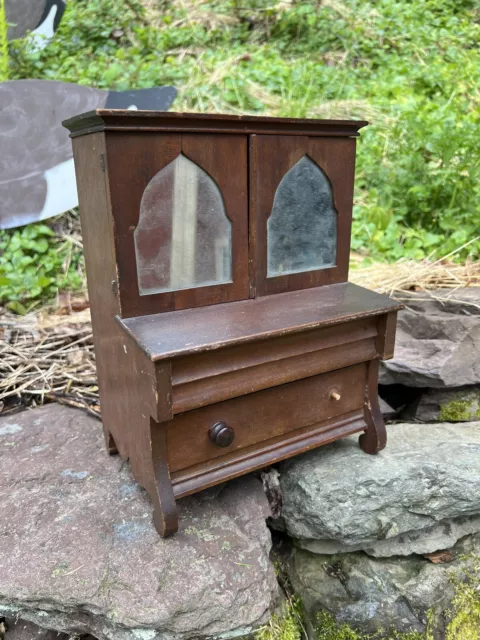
(165, 514)
(110, 442)
(165, 524)
(375, 437)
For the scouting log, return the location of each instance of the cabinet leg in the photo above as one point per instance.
(110, 442)
(165, 514)
(375, 437)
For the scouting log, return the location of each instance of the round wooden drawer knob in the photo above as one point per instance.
(335, 395)
(221, 434)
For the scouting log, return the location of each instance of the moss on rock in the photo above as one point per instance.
(465, 613)
(463, 618)
(458, 411)
(328, 628)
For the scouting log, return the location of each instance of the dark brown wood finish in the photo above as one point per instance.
(265, 453)
(201, 385)
(126, 120)
(133, 160)
(217, 375)
(264, 415)
(191, 331)
(387, 325)
(272, 157)
(129, 382)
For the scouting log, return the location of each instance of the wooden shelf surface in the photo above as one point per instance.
(179, 333)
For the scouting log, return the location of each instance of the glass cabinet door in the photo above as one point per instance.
(301, 204)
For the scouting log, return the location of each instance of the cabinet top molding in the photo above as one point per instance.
(135, 120)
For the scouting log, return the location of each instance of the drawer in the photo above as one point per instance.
(265, 415)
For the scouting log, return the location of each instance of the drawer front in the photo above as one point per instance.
(219, 375)
(265, 414)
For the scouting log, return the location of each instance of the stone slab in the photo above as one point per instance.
(79, 553)
(438, 340)
(418, 495)
(21, 630)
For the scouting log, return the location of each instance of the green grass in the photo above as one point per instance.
(3, 43)
(411, 68)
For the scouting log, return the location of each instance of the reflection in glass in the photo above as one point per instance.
(183, 238)
(302, 228)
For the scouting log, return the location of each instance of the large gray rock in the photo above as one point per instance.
(382, 595)
(79, 553)
(418, 495)
(438, 340)
(448, 405)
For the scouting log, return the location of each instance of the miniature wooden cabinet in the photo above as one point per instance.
(226, 334)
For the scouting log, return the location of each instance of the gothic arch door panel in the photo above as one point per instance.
(181, 221)
(301, 209)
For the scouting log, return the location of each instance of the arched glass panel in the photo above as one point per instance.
(302, 228)
(183, 238)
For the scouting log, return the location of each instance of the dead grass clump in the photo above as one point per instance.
(47, 356)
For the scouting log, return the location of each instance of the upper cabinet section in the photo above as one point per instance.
(206, 209)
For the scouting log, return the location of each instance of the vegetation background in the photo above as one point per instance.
(411, 68)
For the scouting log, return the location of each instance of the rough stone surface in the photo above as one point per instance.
(438, 341)
(389, 594)
(441, 536)
(388, 412)
(416, 496)
(21, 630)
(451, 405)
(79, 553)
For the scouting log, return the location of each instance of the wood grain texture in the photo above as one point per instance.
(387, 327)
(288, 363)
(265, 454)
(133, 391)
(375, 437)
(120, 120)
(133, 160)
(265, 414)
(214, 376)
(169, 335)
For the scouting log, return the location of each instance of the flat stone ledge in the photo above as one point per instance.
(438, 340)
(79, 553)
(419, 495)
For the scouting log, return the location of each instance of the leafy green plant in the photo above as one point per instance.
(35, 264)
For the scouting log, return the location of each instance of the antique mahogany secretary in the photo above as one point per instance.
(226, 334)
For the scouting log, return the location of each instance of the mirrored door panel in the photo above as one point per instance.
(182, 221)
(183, 238)
(302, 227)
(301, 207)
